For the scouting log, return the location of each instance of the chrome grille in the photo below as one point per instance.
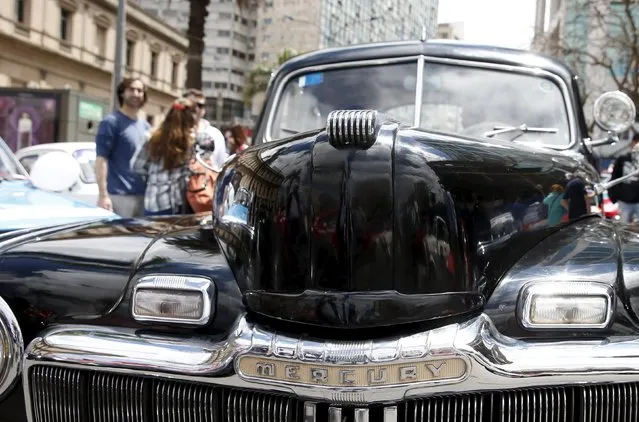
(71, 395)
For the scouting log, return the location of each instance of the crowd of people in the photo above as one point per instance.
(143, 171)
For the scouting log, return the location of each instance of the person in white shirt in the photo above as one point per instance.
(25, 131)
(207, 130)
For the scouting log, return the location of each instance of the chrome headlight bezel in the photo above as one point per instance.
(11, 349)
(572, 289)
(178, 283)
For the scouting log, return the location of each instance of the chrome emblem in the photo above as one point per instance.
(336, 375)
(401, 363)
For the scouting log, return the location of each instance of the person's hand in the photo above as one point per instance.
(105, 202)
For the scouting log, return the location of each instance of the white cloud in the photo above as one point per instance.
(507, 23)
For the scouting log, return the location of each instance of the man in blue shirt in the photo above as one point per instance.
(119, 136)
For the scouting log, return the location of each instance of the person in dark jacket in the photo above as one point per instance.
(626, 194)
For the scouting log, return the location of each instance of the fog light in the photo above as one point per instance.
(566, 305)
(173, 299)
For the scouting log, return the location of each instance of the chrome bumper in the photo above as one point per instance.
(468, 357)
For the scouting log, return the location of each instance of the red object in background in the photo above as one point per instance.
(611, 210)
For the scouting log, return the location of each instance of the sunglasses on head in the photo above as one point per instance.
(200, 105)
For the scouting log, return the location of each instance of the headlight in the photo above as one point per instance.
(173, 299)
(566, 305)
(11, 349)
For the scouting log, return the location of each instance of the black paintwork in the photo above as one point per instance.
(390, 232)
(81, 275)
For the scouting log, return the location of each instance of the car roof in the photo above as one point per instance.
(56, 146)
(449, 49)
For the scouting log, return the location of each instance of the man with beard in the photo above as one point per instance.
(119, 136)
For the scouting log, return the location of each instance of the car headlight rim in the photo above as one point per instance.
(574, 290)
(12, 353)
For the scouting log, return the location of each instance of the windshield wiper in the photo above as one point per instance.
(497, 130)
(291, 131)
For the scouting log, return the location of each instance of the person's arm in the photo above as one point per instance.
(104, 142)
(219, 154)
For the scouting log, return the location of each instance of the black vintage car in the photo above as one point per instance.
(389, 251)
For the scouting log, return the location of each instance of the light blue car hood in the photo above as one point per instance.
(22, 206)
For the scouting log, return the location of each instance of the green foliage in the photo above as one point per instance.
(258, 78)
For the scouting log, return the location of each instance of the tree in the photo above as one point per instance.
(600, 41)
(258, 78)
(195, 33)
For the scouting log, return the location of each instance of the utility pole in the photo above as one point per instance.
(118, 62)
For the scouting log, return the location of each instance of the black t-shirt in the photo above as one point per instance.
(575, 194)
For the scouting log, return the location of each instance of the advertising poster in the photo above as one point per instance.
(28, 118)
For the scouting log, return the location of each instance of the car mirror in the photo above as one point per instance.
(614, 112)
(55, 171)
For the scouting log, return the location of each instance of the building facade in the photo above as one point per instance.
(450, 31)
(70, 45)
(308, 25)
(228, 56)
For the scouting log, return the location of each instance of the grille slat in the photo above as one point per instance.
(61, 394)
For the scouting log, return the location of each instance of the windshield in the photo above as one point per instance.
(455, 99)
(9, 165)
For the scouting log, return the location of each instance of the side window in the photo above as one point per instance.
(27, 161)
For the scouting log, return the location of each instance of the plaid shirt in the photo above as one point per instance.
(165, 189)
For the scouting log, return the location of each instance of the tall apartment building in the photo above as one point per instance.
(229, 52)
(307, 25)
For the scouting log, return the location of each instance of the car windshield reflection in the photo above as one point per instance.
(455, 99)
(10, 168)
(86, 159)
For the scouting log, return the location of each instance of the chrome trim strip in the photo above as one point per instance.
(568, 100)
(177, 283)
(419, 91)
(573, 290)
(496, 362)
(11, 350)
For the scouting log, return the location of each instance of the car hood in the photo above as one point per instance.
(22, 205)
(344, 228)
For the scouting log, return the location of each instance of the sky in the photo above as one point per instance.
(507, 23)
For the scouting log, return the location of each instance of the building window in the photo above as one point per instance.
(154, 64)
(65, 24)
(21, 11)
(174, 73)
(222, 33)
(101, 40)
(130, 52)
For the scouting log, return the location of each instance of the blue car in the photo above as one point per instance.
(24, 205)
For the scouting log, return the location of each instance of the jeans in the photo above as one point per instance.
(628, 211)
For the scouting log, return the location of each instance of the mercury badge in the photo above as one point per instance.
(357, 376)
